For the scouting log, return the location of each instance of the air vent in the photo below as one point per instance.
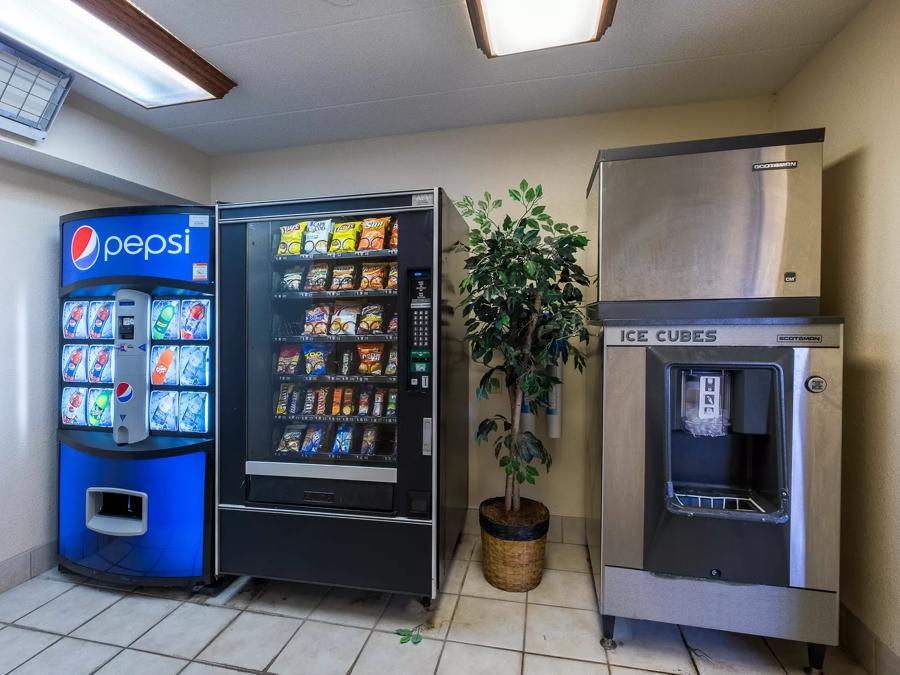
(31, 92)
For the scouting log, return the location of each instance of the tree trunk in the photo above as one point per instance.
(511, 497)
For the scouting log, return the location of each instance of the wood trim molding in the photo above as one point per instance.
(127, 19)
(606, 16)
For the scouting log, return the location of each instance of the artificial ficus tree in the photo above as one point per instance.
(522, 302)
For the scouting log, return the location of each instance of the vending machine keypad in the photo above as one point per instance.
(420, 330)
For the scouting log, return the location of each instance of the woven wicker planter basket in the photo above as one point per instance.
(513, 554)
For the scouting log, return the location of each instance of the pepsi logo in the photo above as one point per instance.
(85, 247)
(124, 392)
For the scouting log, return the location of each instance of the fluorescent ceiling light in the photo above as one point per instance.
(134, 58)
(513, 26)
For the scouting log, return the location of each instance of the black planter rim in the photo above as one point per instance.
(512, 532)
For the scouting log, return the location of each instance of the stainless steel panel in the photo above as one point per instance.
(816, 471)
(773, 611)
(751, 335)
(371, 474)
(593, 412)
(624, 407)
(707, 226)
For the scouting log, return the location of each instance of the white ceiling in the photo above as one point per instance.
(314, 71)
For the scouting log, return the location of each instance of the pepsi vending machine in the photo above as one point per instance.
(137, 350)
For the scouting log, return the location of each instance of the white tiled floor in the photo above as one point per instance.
(59, 623)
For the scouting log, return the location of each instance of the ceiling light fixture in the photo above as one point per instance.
(513, 26)
(118, 46)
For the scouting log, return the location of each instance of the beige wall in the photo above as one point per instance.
(558, 153)
(852, 87)
(31, 203)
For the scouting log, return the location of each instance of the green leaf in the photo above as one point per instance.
(404, 639)
(530, 478)
(523, 186)
(515, 195)
(416, 639)
(402, 631)
(504, 460)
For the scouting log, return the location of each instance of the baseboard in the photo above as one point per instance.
(563, 529)
(859, 640)
(24, 566)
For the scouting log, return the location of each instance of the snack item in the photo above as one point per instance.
(394, 325)
(312, 442)
(321, 400)
(343, 321)
(291, 439)
(292, 280)
(317, 320)
(370, 358)
(364, 397)
(336, 401)
(347, 405)
(344, 237)
(373, 232)
(288, 358)
(372, 276)
(315, 356)
(292, 238)
(346, 360)
(369, 439)
(309, 402)
(391, 367)
(392, 403)
(318, 232)
(370, 320)
(294, 404)
(284, 395)
(378, 403)
(343, 440)
(392, 280)
(395, 234)
(316, 277)
(343, 277)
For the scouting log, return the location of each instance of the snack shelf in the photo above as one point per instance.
(368, 254)
(338, 379)
(334, 295)
(320, 337)
(291, 457)
(371, 419)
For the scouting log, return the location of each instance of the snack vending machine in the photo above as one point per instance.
(343, 434)
(136, 387)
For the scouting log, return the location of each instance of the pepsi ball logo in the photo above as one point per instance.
(124, 392)
(85, 247)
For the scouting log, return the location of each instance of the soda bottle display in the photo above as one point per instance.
(73, 326)
(162, 318)
(100, 358)
(164, 365)
(164, 411)
(73, 363)
(193, 412)
(195, 366)
(99, 413)
(100, 325)
(72, 406)
(194, 319)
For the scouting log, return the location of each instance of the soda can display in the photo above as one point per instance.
(192, 405)
(164, 411)
(164, 324)
(100, 364)
(164, 364)
(99, 407)
(74, 358)
(74, 321)
(195, 319)
(73, 404)
(100, 320)
(194, 366)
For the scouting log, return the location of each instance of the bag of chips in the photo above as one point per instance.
(343, 440)
(392, 403)
(391, 367)
(378, 403)
(373, 233)
(291, 242)
(372, 276)
(347, 401)
(343, 278)
(369, 439)
(395, 234)
(394, 325)
(312, 442)
(288, 359)
(315, 356)
(318, 233)
(284, 396)
(317, 320)
(291, 438)
(370, 320)
(343, 320)
(344, 237)
(317, 277)
(292, 280)
(392, 280)
(370, 358)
